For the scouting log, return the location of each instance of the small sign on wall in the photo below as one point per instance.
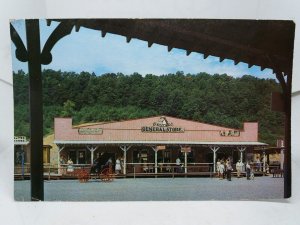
(90, 131)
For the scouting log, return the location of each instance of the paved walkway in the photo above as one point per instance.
(157, 189)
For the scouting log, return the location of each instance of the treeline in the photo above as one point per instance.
(215, 99)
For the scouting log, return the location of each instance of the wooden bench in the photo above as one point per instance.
(277, 172)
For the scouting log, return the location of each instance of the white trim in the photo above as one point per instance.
(162, 142)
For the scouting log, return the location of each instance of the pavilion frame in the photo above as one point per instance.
(37, 57)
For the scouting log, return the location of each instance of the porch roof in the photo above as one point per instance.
(200, 143)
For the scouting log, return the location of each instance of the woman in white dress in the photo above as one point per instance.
(221, 170)
(218, 167)
(118, 166)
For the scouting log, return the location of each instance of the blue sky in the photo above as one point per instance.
(87, 51)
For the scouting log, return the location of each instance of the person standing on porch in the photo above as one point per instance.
(118, 166)
(248, 170)
(229, 169)
(218, 167)
(239, 166)
(221, 170)
(178, 168)
(70, 167)
(258, 164)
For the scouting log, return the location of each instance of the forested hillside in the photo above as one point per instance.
(215, 99)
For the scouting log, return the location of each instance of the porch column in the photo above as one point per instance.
(241, 149)
(214, 149)
(155, 158)
(124, 149)
(60, 148)
(264, 161)
(185, 162)
(281, 158)
(92, 150)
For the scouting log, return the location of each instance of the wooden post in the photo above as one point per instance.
(214, 149)
(36, 109)
(185, 162)
(125, 149)
(92, 150)
(241, 149)
(155, 158)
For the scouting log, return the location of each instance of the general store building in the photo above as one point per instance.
(153, 144)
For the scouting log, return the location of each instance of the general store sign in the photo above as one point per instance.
(162, 126)
(90, 131)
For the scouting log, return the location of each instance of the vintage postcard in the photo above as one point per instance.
(152, 109)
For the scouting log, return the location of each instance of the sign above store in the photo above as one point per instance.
(230, 133)
(162, 126)
(90, 131)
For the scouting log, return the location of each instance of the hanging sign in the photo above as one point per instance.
(161, 147)
(186, 149)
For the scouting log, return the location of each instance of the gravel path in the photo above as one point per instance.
(157, 189)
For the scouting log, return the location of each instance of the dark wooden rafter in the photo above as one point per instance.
(103, 33)
(188, 52)
(21, 51)
(62, 30)
(128, 39)
(205, 55)
(280, 78)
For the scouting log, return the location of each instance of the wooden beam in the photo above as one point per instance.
(150, 44)
(128, 39)
(188, 52)
(103, 33)
(48, 22)
(169, 48)
(77, 28)
(35, 109)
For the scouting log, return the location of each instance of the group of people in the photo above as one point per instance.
(98, 165)
(225, 168)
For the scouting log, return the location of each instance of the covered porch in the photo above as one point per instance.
(156, 158)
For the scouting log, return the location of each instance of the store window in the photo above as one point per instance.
(140, 156)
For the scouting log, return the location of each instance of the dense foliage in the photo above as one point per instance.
(215, 99)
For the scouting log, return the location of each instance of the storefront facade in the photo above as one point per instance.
(154, 144)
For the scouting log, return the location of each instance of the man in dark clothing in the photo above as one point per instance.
(229, 169)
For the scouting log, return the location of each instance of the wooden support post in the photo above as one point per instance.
(155, 158)
(92, 150)
(58, 158)
(214, 149)
(124, 149)
(281, 158)
(241, 149)
(264, 162)
(36, 109)
(185, 162)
